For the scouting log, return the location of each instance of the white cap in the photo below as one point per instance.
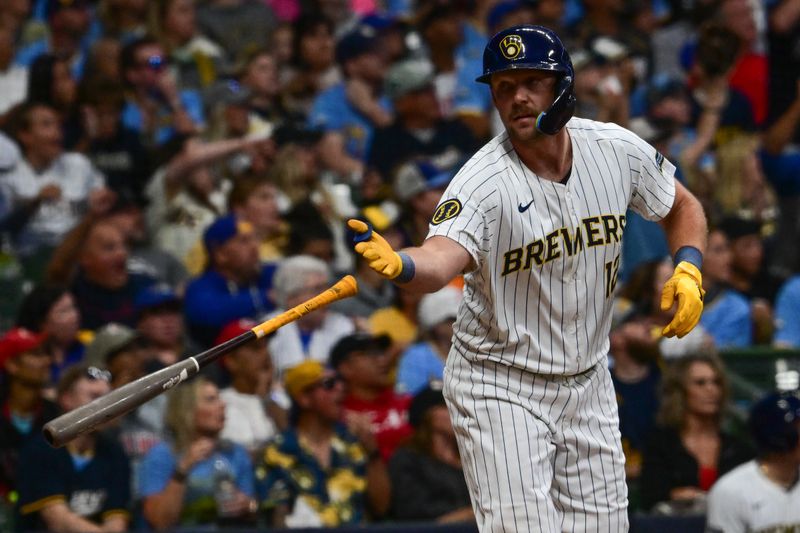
(438, 307)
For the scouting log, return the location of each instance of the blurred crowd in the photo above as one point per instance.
(173, 172)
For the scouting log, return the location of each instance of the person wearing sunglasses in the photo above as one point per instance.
(84, 486)
(317, 473)
(689, 450)
(155, 106)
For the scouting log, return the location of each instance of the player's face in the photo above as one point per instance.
(519, 96)
(703, 390)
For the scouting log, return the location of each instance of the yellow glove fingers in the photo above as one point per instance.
(668, 296)
(371, 254)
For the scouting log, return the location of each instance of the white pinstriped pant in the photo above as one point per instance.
(540, 453)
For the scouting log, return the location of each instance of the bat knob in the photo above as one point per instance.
(363, 236)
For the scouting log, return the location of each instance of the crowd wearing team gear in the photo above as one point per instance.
(541, 324)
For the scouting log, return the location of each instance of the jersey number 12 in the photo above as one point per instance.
(612, 269)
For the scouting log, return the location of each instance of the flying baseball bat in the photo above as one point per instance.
(125, 399)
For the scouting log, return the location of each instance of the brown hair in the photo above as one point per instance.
(672, 412)
(243, 187)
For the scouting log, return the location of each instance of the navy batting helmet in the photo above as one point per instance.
(537, 48)
(774, 422)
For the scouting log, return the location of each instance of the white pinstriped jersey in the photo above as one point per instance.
(547, 253)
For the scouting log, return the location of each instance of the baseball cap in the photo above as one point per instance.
(357, 342)
(108, 340)
(408, 76)
(17, 341)
(299, 377)
(735, 227)
(430, 396)
(224, 229)
(234, 329)
(438, 306)
(419, 176)
(361, 40)
(156, 296)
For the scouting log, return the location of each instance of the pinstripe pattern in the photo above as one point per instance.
(526, 380)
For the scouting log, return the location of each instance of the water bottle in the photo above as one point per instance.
(224, 488)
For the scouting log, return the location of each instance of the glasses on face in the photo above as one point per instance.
(98, 374)
(155, 63)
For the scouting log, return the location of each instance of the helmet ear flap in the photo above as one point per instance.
(562, 108)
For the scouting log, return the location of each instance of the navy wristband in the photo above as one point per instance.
(689, 254)
(409, 268)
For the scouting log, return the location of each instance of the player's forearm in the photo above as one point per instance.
(436, 263)
(685, 225)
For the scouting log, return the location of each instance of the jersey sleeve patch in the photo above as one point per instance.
(445, 211)
(660, 161)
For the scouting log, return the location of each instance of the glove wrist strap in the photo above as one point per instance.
(408, 270)
(690, 254)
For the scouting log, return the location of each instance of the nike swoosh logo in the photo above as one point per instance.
(523, 208)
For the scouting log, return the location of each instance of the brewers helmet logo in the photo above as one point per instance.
(511, 46)
(446, 210)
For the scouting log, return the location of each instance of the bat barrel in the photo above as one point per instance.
(116, 403)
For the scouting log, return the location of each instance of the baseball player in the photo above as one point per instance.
(535, 221)
(763, 494)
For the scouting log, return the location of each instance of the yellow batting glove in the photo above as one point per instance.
(686, 284)
(374, 248)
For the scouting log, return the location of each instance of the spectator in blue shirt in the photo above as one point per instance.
(348, 112)
(423, 362)
(196, 478)
(155, 107)
(235, 283)
(787, 315)
(68, 35)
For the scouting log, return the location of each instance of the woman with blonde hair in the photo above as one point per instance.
(195, 477)
(689, 449)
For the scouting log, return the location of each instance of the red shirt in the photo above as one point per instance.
(388, 414)
(706, 477)
(750, 78)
